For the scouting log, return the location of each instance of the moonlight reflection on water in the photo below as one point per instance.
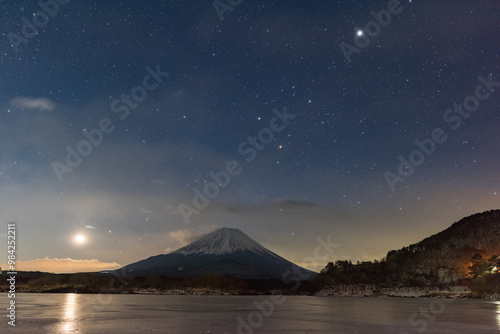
(69, 313)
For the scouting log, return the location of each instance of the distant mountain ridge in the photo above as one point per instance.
(225, 252)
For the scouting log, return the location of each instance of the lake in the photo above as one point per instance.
(77, 313)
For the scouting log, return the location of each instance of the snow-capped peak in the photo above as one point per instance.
(224, 241)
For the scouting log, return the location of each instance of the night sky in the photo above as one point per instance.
(168, 93)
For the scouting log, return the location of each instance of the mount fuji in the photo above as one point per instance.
(225, 252)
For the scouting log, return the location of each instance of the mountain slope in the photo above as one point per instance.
(445, 257)
(224, 252)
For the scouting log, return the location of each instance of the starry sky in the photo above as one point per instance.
(172, 93)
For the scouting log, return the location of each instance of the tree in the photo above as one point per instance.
(493, 263)
(479, 266)
(328, 268)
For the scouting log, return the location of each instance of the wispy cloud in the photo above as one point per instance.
(41, 104)
(67, 265)
(295, 204)
(184, 236)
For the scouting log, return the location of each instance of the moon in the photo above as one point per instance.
(80, 239)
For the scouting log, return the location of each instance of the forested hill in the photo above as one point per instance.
(446, 256)
(442, 258)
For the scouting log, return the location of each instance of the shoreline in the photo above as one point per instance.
(335, 291)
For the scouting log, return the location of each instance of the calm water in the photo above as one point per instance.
(70, 313)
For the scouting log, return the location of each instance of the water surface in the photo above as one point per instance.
(76, 313)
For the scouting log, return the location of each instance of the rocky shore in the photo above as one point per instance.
(337, 290)
(370, 290)
(189, 291)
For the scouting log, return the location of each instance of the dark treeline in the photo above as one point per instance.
(483, 276)
(107, 283)
(345, 272)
